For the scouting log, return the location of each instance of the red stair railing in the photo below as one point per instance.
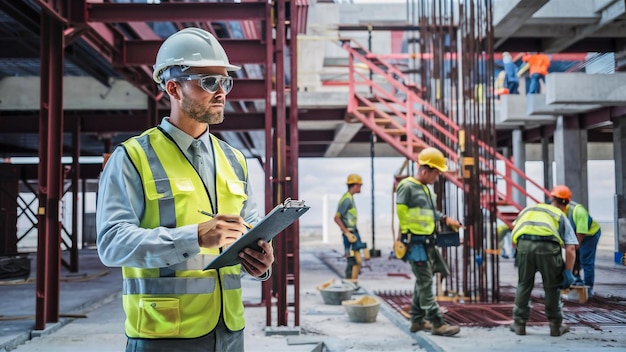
(393, 120)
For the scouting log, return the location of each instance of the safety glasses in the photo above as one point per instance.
(210, 83)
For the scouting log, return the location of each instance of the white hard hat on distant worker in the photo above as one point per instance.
(433, 158)
(190, 47)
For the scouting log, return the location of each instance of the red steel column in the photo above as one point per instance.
(48, 246)
(269, 148)
(292, 159)
(280, 161)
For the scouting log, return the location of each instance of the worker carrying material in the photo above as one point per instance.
(539, 233)
(346, 219)
(415, 206)
(587, 231)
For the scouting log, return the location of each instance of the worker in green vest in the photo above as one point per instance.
(154, 195)
(415, 207)
(539, 233)
(587, 231)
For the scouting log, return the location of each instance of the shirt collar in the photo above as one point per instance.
(182, 139)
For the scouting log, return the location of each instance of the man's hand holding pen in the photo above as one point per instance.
(221, 230)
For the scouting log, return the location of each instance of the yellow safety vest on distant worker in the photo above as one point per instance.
(350, 217)
(183, 301)
(540, 220)
(414, 219)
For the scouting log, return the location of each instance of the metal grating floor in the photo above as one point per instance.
(605, 314)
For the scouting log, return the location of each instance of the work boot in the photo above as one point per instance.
(518, 327)
(421, 325)
(446, 330)
(558, 329)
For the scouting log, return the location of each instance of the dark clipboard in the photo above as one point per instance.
(272, 224)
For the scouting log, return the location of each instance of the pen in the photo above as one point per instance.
(248, 226)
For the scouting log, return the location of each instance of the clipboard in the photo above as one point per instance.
(270, 226)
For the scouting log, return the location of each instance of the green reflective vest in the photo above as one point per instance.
(182, 300)
(592, 227)
(413, 216)
(540, 220)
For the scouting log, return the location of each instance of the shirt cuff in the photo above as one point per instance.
(186, 242)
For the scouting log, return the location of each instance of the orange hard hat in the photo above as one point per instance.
(562, 192)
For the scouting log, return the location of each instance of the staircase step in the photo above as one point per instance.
(417, 145)
(365, 108)
(395, 131)
(382, 121)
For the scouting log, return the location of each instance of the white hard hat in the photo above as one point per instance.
(190, 47)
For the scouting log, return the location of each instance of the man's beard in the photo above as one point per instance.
(200, 113)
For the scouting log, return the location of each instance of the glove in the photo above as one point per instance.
(350, 236)
(568, 279)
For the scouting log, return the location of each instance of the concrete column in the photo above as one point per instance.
(547, 162)
(619, 151)
(519, 160)
(570, 154)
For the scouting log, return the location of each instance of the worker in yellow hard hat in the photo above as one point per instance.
(346, 219)
(587, 231)
(418, 217)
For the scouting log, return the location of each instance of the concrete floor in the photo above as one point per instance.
(95, 292)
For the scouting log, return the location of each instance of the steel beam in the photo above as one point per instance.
(172, 12)
(240, 51)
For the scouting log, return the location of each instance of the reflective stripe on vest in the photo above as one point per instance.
(418, 220)
(540, 220)
(182, 300)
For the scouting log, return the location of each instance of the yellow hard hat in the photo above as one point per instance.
(354, 179)
(434, 158)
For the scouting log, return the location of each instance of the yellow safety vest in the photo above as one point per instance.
(418, 221)
(350, 218)
(540, 220)
(182, 300)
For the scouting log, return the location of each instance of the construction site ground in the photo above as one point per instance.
(92, 318)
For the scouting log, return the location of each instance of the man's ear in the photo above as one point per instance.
(171, 88)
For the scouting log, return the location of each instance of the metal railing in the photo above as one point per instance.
(381, 99)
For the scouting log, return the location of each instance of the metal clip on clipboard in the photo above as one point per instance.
(278, 219)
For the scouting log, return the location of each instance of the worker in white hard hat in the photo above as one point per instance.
(170, 199)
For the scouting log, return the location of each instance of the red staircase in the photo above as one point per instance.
(396, 113)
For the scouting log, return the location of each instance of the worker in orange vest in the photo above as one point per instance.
(538, 69)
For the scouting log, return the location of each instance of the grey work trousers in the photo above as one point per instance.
(219, 340)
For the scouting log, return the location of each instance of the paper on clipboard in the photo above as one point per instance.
(272, 224)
